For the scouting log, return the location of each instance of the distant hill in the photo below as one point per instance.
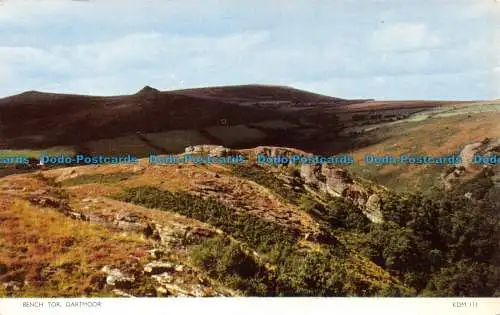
(257, 92)
(37, 119)
(237, 116)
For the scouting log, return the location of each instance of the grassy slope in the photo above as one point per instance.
(91, 240)
(56, 255)
(435, 136)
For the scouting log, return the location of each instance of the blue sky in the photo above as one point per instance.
(399, 49)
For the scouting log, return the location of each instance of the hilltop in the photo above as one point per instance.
(254, 93)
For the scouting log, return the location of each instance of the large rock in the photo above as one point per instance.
(134, 223)
(156, 253)
(172, 235)
(357, 194)
(117, 278)
(309, 173)
(337, 181)
(158, 267)
(373, 209)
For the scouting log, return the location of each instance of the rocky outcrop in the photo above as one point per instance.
(213, 150)
(172, 235)
(281, 152)
(309, 173)
(467, 168)
(148, 90)
(485, 147)
(130, 222)
(337, 182)
(278, 151)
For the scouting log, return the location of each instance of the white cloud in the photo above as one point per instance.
(114, 47)
(29, 11)
(410, 86)
(480, 9)
(25, 58)
(404, 37)
(130, 61)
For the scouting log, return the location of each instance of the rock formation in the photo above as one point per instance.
(210, 149)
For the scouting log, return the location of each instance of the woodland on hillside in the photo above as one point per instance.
(443, 244)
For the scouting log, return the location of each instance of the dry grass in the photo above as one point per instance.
(434, 137)
(57, 256)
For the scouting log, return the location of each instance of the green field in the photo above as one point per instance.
(37, 153)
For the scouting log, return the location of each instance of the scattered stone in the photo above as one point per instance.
(76, 215)
(163, 278)
(176, 290)
(179, 268)
(117, 278)
(179, 281)
(156, 253)
(121, 293)
(162, 291)
(97, 218)
(12, 286)
(157, 267)
(45, 202)
(197, 290)
(202, 280)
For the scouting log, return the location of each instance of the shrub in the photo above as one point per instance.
(339, 213)
(225, 261)
(97, 178)
(311, 274)
(260, 234)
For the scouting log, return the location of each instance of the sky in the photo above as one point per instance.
(382, 49)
